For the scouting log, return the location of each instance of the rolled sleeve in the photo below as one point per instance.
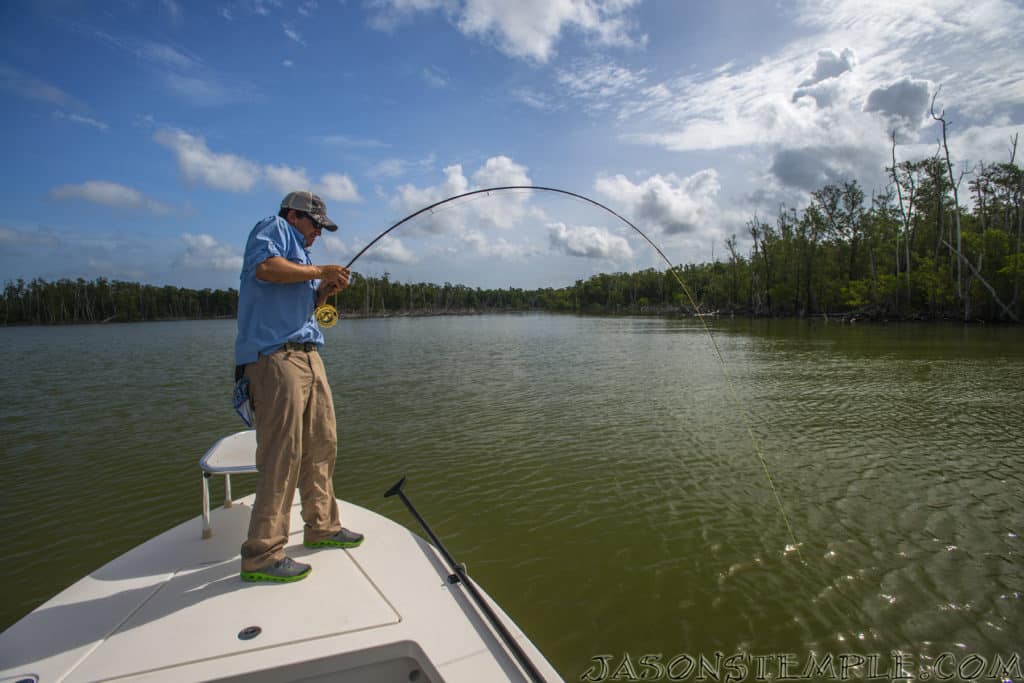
(266, 241)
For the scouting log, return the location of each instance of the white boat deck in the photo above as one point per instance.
(173, 609)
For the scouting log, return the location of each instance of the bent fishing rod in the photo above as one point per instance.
(327, 315)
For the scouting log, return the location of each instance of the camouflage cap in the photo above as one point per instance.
(304, 200)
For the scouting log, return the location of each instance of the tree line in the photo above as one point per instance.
(79, 301)
(912, 250)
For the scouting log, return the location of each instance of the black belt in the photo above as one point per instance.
(300, 346)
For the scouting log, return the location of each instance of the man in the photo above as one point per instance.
(278, 345)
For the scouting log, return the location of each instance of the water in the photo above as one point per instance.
(597, 475)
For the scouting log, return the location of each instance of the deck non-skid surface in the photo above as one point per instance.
(173, 609)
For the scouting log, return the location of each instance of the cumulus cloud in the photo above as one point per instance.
(285, 178)
(802, 97)
(389, 249)
(830, 65)
(411, 198)
(201, 165)
(338, 187)
(810, 168)
(203, 252)
(669, 203)
(334, 186)
(588, 242)
(464, 220)
(110, 194)
(904, 103)
(526, 29)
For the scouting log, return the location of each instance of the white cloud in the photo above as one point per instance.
(84, 120)
(465, 220)
(338, 187)
(668, 203)
(588, 242)
(527, 29)
(285, 178)
(810, 168)
(293, 34)
(904, 103)
(809, 96)
(831, 65)
(307, 7)
(203, 252)
(288, 63)
(411, 198)
(199, 164)
(599, 82)
(499, 248)
(331, 186)
(110, 194)
(390, 250)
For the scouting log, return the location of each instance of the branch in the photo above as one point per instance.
(991, 291)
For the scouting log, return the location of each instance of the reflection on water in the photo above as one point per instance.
(595, 474)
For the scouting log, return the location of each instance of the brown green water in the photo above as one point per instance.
(595, 474)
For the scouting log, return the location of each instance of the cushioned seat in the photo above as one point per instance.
(234, 454)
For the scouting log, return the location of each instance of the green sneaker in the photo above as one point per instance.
(342, 539)
(282, 571)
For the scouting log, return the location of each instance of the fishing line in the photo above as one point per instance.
(327, 314)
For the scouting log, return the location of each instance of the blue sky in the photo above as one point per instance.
(144, 139)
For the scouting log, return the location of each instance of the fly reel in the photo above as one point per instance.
(326, 315)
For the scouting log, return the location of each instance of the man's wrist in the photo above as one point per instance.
(318, 273)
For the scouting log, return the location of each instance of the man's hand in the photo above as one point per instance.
(333, 279)
(335, 276)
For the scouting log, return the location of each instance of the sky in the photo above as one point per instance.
(145, 138)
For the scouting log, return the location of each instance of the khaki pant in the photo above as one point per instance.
(296, 443)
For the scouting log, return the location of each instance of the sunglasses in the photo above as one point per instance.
(312, 220)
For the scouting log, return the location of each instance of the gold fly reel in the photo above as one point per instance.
(326, 315)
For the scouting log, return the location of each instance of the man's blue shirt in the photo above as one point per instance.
(271, 314)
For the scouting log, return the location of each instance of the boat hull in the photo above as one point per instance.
(175, 608)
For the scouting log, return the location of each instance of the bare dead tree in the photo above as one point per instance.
(1018, 200)
(906, 211)
(955, 182)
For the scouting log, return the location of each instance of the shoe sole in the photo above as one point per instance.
(270, 578)
(333, 544)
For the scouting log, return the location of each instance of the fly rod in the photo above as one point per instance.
(461, 577)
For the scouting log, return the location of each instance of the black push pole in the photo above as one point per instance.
(460, 576)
